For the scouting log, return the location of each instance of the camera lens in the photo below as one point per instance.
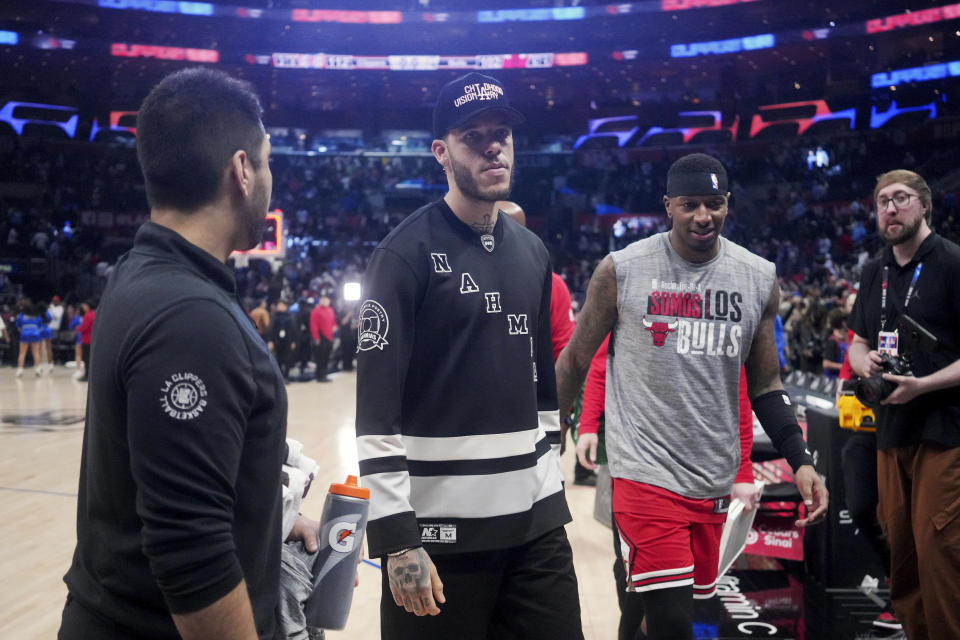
(872, 390)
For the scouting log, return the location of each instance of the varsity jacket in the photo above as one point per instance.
(457, 424)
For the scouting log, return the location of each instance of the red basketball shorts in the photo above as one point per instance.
(667, 540)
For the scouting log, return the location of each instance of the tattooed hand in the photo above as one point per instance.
(414, 582)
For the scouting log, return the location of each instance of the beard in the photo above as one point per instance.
(907, 232)
(469, 187)
(254, 217)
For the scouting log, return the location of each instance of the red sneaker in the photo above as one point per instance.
(887, 620)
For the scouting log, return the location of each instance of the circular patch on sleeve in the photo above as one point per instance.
(183, 396)
(373, 326)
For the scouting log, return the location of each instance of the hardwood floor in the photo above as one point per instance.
(41, 431)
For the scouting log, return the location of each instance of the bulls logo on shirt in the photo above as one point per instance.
(659, 330)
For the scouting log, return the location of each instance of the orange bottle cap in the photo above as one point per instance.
(350, 488)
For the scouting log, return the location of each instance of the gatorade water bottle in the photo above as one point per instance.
(342, 526)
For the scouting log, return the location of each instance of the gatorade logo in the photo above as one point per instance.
(342, 538)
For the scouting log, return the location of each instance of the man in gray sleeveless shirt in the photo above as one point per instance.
(686, 309)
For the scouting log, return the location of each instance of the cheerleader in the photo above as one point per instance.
(29, 323)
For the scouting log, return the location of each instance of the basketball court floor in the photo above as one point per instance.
(41, 429)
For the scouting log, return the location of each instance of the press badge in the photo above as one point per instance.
(887, 342)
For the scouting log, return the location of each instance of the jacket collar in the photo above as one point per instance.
(161, 241)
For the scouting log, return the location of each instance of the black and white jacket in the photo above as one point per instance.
(457, 422)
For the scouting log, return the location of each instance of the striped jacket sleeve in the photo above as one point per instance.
(547, 407)
(385, 341)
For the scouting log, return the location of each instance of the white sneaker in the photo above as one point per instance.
(19, 373)
(78, 374)
(38, 370)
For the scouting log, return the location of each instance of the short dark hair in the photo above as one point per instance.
(188, 128)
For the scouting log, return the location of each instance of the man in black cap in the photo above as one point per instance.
(457, 424)
(687, 308)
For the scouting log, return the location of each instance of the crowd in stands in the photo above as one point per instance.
(815, 222)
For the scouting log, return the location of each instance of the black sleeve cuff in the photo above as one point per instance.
(220, 581)
(393, 533)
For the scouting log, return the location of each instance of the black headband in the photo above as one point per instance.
(699, 183)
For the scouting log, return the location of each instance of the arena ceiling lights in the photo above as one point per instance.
(419, 63)
(348, 16)
(320, 60)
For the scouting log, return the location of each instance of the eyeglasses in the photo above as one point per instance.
(899, 199)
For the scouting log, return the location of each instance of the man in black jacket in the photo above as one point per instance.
(179, 510)
(457, 421)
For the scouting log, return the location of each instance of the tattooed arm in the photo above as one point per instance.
(594, 323)
(414, 582)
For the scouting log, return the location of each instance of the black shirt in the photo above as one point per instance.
(179, 495)
(935, 305)
(457, 421)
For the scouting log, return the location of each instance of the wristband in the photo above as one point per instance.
(400, 553)
(776, 416)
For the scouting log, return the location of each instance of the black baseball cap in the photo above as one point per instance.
(468, 96)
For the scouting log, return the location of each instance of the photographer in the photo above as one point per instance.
(918, 432)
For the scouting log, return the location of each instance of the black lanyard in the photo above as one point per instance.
(883, 294)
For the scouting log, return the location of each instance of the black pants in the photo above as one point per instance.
(348, 346)
(631, 602)
(286, 355)
(85, 351)
(321, 356)
(580, 472)
(523, 593)
(79, 623)
(859, 459)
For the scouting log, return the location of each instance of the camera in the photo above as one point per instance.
(870, 391)
(913, 339)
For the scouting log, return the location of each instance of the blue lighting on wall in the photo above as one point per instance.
(532, 15)
(916, 74)
(161, 6)
(878, 119)
(719, 47)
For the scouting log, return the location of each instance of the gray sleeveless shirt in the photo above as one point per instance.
(673, 371)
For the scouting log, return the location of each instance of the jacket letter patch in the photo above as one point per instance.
(517, 324)
(467, 285)
(493, 302)
(440, 263)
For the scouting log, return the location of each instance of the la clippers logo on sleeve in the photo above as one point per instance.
(374, 324)
(184, 396)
